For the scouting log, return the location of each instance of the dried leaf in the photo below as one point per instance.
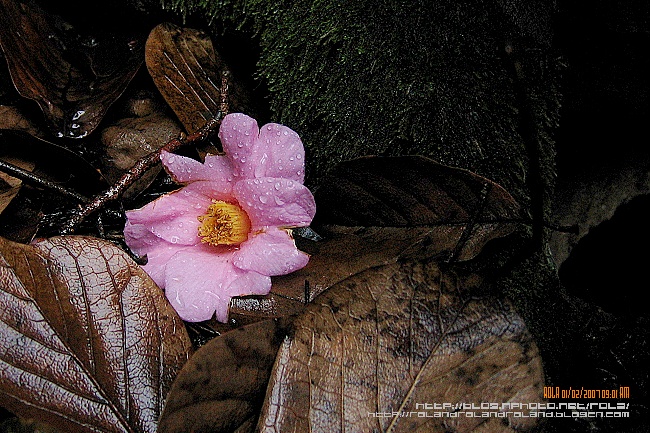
(73, 78)
(391, 338)
(187, 71)
(407, 207)
(222, 386)
(89, 342)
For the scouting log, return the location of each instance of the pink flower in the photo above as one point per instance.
(225, 233)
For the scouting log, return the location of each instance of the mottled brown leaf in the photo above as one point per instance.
(74, 78)
(374, 211)
(187, 71)
(89, 343)
(222, 386)
(388, 339)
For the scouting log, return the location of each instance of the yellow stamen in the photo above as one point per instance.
(224, 224)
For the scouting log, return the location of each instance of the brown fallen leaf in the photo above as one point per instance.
(73, 79)
(391, 340)
(377, 210)
(88, 341)
(221, 388)
(187, 71)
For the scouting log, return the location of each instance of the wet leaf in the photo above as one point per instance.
(377, 210)
(89, 342)
(74, 78)
(187, 71)
(393, 337)
(222, 386)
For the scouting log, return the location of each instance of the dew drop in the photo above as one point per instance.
(264, 199)
(171, 159)
(286, 132)
(174, 239)
(278, 201)
(243, 159)
(298, 156)
(240, 144)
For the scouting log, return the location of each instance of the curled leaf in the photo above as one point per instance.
(89, 342)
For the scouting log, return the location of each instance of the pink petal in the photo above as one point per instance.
(197, 281)
(271, 253)
(139, 238)
(157, 259)
(251, 283)
(273, 151)
(174, 217)
(217, 169)
(238, 134)
(275, 202)
(286, 154)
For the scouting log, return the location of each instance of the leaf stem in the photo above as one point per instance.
(134, 173)
(147, 162)
(35, 180)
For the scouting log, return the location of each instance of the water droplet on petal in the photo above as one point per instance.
(174, 239)
(171, 159)
(299, 156)
(286, 132)
(240, 144)
(264, 199)
(278, 201)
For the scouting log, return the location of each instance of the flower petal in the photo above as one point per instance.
(273, 201)
(286, 153)
(273, 151)
(271, 253)
(238, 134)
(174, 217)
(217, 169)
(157, 259)
(251, 283)
(197, 281)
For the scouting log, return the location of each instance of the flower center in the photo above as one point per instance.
(224, 224)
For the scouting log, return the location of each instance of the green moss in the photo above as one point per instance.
(405, 77)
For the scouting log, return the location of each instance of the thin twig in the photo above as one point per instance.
(149, 161)
(32, 179)
(135, 173)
